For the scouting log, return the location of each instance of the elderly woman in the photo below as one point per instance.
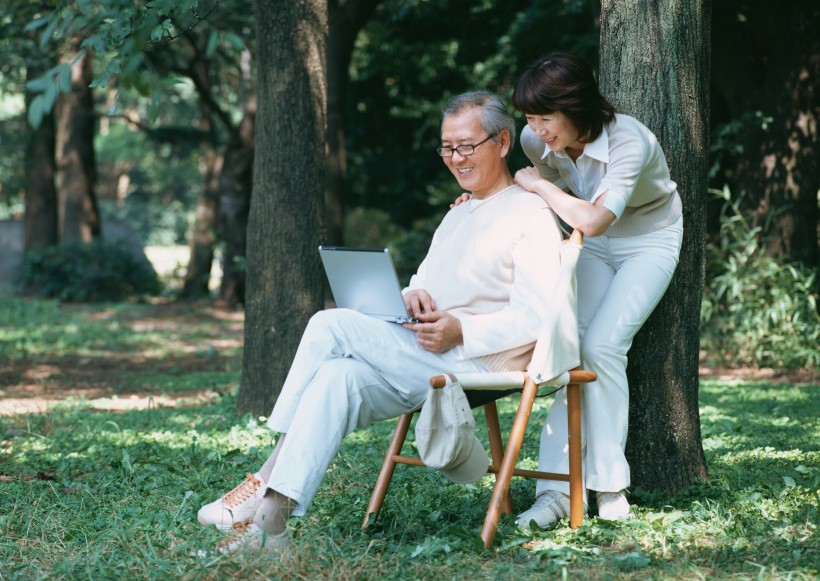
(605, 174)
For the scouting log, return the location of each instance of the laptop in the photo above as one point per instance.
(364, 279)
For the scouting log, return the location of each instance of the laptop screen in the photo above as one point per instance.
(364, 279)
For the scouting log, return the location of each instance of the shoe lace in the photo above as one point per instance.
(239, 529)
(242, 492)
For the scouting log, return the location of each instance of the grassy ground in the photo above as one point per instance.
(117, 423)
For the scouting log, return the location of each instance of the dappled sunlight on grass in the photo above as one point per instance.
(35, 328)
(91, 356)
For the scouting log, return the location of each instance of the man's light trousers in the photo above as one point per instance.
(350, 370)
(620, 281)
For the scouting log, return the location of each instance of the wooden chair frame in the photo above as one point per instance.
(503, 460)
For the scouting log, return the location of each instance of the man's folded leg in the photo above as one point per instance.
(345, 394)
(388, 348)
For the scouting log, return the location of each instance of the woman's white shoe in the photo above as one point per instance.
(613, 505)
(550, 507)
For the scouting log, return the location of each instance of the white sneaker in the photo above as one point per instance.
(613, 505)
(550, 507)
(249, 537)
(237, 506)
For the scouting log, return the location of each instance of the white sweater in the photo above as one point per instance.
(492, 264)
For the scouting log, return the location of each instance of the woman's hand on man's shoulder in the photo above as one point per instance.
(465, 197)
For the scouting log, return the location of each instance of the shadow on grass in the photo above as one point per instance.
(51, 352)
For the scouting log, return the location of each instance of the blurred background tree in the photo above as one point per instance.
(765, 112)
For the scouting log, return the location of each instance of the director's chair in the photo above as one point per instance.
(554, 363)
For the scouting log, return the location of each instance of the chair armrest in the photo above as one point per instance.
(485, 381)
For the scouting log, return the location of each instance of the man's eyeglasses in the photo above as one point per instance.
(463, 150)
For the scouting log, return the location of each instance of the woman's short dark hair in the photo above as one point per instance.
(564, 82)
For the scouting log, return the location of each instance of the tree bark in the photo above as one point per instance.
(40, 188)
(655, 66)
(235, 186)
(346, 18)
(79, 217)
(284, 275)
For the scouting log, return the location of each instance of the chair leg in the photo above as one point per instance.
(576, 478)
(505, 473)
(389, 465)
(496, 447)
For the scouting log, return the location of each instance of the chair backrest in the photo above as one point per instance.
(558, 347)
(557, 350)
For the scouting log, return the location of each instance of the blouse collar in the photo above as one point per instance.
(597, 150)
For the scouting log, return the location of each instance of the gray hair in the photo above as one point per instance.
(494, 115)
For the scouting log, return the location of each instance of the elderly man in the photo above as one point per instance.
(479, 297)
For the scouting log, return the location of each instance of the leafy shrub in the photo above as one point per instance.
(756, 310)
(164, 178)
(87, 272)
(369, 228)
(410, 247)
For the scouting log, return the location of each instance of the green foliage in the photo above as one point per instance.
(87, 272)
(369, 228)
(409, 59)
(141, 44)
(101, 495)
(725, 145)
(756, 310)
(12, 151)
(158, 203)
(410, 248)
(118, 32)
(19, 55)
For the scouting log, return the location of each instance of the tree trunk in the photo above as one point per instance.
(776, 173)
(79, 218)
(346, 18)
(204, 234)
(40, 189)
(284, 275)
(203, 237)
(234, 202)
(655, 66)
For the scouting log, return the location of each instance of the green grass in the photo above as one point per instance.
(89, 494)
